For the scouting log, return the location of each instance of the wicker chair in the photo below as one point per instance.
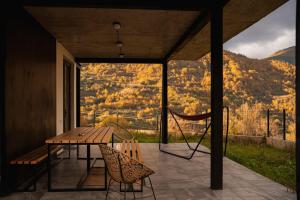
(123, 169)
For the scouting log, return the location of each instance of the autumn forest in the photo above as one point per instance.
(130, 93)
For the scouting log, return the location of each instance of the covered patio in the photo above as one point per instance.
(181, 181)
(43, 44)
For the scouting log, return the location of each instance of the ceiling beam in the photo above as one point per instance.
(119, 60)
(189, 34)
(187, 5)
(194, 28)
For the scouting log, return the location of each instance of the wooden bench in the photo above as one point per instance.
(34, 159)
(133, 150)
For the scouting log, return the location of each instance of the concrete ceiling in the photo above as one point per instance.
(151, 34)
(88, 32)
(238, 15)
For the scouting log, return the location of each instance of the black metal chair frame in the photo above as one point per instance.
(188, 157)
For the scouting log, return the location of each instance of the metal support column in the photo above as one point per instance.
(268, 123)
(217, 95)
(164, 103)
(284, 124)
(77, 96)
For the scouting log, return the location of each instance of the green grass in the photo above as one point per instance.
(275, 164)
(278, 165)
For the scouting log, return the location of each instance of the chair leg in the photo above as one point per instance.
(125, 191)
(133, 191)
(152, 187)
(108, 188)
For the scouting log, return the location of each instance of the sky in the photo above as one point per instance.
(274, 32)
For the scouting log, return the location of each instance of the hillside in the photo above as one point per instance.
(286, 55)
(133, 90)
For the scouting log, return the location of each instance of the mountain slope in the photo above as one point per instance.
(134, 89)
(286, 55)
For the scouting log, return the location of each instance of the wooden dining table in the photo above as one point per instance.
(80, 136)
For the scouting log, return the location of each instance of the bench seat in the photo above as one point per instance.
(36, 156)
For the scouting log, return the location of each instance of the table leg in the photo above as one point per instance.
(77, 151)
(105, 176)
(69, 151)
(88, 157)
(49, 167)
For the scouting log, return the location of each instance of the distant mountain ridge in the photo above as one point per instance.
(286, 55)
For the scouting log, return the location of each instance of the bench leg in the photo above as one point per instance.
(69, 151)
(49, 167)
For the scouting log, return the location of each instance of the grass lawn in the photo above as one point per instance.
(275, 164)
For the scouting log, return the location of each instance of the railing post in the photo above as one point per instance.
(117, 117)
(284, 125)
(157, 122)
(206, 121)
(94, 118)
(268, 123)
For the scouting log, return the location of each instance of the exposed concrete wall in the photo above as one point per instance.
(276, 143)
(61, 55)
(247, 139)
(281, 144)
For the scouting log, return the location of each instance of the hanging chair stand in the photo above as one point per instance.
(194, 118)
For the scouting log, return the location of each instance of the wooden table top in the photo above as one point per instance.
(86, 135)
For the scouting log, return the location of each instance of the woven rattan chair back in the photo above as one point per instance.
(111, 159)
(123, 169)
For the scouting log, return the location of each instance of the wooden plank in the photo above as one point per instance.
(53, 139)
(69, 136)
(133, 150)
(85, 134)
(84, 138)
(22, 159)
(99, 137)
(72, 136)
(128, 148)
(139, 152)
(123, 147)
(108, 136)
(45, 155)
(89, 135)
(35, 156)
(95, 135)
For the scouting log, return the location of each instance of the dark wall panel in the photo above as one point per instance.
(2, 96)
(30, 108)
